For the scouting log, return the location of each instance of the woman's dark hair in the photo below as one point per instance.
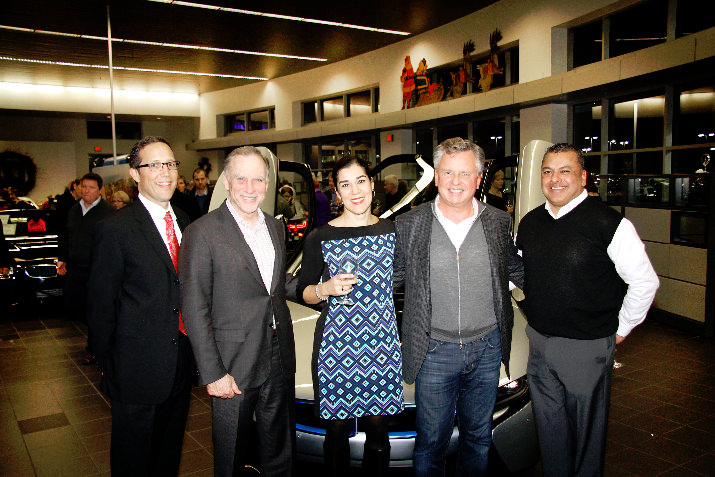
(348, 161)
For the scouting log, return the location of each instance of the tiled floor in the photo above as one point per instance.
(54, 422)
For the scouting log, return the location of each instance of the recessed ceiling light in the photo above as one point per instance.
(280, 17)
(163, 44)
(128, 68)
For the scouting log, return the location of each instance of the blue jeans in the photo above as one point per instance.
(464, 377)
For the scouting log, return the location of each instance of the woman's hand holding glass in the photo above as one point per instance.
(340, 284)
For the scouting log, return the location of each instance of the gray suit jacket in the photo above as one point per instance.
(225, 305)
(412, 266)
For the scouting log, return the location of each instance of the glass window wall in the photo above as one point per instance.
(587, 126)
(638, 27)
(332, 108)
(645, 137)
(587, 44)
(359, 104)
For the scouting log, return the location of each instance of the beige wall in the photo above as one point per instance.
(682, 270)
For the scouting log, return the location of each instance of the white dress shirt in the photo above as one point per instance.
(260, 243)
(627, 253)
(157, 214)
(456, 232)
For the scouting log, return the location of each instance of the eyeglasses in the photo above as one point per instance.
(156, 166)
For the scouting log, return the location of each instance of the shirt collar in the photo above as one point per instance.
(155, 210)
(241, 221)
(568, 207)
(476, 210)
(86, 208)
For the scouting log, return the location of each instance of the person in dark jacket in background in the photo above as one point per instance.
(69, 197)
(75, 247)
(202, 191)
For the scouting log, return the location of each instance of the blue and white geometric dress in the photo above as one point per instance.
(359, 364)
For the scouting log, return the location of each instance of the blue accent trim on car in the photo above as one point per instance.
(311, 430)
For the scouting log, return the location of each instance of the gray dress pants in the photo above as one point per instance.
(570, 385)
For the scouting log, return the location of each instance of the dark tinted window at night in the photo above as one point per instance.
(691, 17)
(639, 27)
(587, 126)
(587, 44)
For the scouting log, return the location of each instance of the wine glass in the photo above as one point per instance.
(347, 265)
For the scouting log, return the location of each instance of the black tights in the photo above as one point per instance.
(337, 432)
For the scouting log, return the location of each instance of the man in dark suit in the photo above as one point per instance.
(135, 326)
(232, 268)
(75, 247)
(456, 257)
(201, 192)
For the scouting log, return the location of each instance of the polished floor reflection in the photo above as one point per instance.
(53, 421)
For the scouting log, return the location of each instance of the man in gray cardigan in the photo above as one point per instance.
(456, 257)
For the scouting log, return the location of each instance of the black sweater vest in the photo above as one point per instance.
(571, 285)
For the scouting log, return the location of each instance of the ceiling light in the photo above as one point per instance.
(162, 44)
(280, 17)
(128, 68)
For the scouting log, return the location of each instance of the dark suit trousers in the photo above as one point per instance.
(75, 292)
(147, 438)
(272, 403)
(570, 386)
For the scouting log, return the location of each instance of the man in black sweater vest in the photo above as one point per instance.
(588, 283)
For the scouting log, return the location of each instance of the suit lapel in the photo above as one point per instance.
(234, 236)
(491, 234)
(423, 222)
(148, 228)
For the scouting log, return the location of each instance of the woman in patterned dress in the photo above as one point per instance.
(357, 360)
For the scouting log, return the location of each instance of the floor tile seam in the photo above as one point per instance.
(711, 453)
(694, 473)
(24, 442)
(660, 457)
(627, 454)
(653, 434)
(660, 437)
(86, 447)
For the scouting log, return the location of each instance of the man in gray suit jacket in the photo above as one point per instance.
(456, 257)
(232, 270)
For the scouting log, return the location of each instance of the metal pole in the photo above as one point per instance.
(111, 83)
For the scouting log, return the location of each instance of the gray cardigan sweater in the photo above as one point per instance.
(412, 267)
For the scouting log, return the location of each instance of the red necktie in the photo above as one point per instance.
(174, 252)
